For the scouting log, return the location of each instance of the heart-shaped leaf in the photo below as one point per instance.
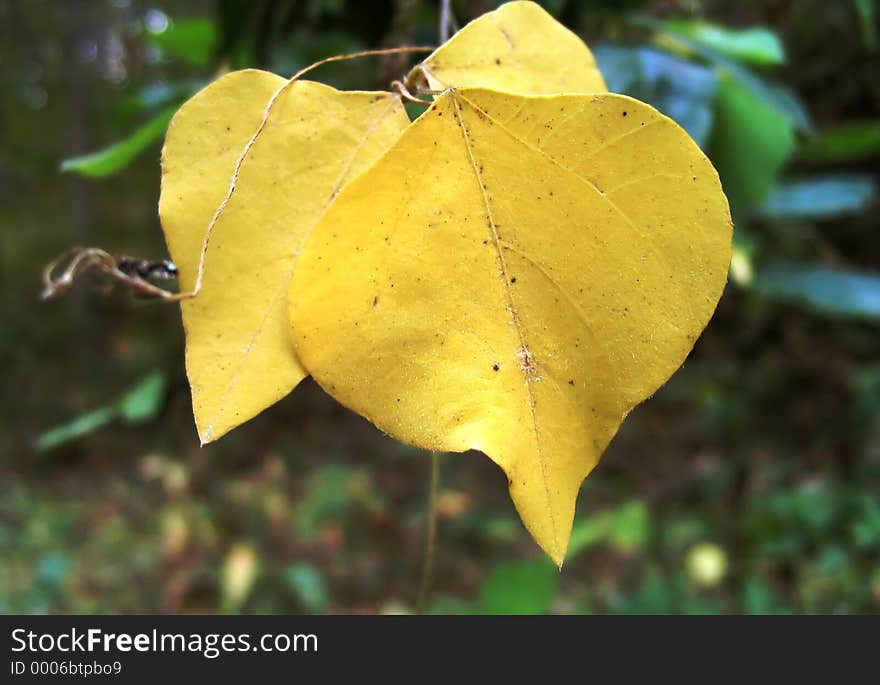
(513, 276)
(315, 138)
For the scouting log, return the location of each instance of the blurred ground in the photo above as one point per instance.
(749, 483)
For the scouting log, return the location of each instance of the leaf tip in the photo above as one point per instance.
(206, 435)
(557, 556)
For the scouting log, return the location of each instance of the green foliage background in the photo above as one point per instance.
(749, 483)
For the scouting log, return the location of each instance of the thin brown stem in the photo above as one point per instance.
(430, 535)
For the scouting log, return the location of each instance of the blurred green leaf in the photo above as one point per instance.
(756, 45)
(750, 143)
(757, 597)
(307, 584)
(771, 95)
(414, 110)
(829, 291)
(626, 528)
(328, 495)
(867, 12)
(680, 89)
(778, 97)
(821, 197)
(76, 428)
(526, 587)
(118, 156)
(589, 532)
(865, 529)
(144, 402)
(500, 528)
(139, 405)
(191, 40)
(848, 142)
(631, 528)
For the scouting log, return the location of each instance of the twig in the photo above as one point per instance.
(430, 535)
(447, 20)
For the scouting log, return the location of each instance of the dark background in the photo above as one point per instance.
(749, 483)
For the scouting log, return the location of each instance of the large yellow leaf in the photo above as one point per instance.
(513, 276)
(238, 353)
(518, 48)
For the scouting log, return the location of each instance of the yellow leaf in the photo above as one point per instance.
(518, 48)
(513, 276)
(238, 354)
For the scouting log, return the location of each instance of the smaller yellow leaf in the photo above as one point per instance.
(518, 48)
(315, 139)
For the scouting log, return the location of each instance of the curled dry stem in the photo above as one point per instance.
(60, 274)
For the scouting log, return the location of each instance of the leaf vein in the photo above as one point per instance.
(529, 381)
(627, 220)
(544, 272)
(233, 381)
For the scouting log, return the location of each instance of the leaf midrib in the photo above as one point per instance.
(514, 316)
